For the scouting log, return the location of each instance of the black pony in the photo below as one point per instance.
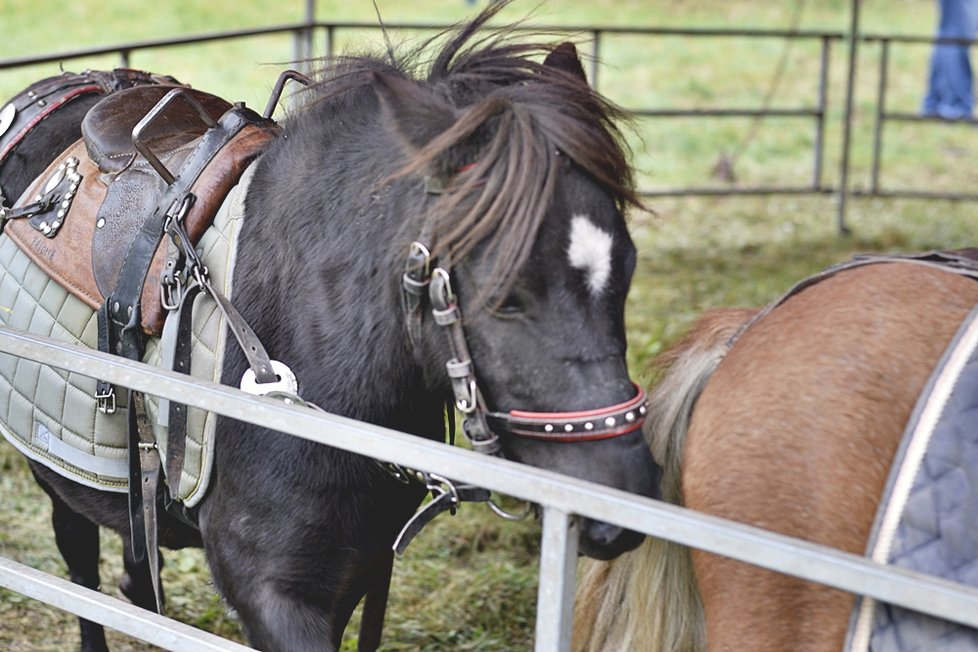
(510, 172)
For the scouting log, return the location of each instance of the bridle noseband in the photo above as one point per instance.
(481, 426)
(585, 425)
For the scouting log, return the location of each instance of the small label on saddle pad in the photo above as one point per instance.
(45, 440)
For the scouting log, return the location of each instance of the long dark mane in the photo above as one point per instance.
(524, 117)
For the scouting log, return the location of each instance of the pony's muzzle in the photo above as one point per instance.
(604, 541)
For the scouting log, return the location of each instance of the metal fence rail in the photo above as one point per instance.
(121, 616)
(304, 36)
(562, 499)
(307, 34)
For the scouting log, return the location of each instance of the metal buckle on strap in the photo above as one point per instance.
(171, 286)
(105, 400)
(440, 293)
(417, 269)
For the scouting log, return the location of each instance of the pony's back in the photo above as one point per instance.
(796, 432)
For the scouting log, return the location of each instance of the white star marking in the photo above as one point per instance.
(590, 250)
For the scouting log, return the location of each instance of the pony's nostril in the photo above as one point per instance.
(603, 534)
(605, 542)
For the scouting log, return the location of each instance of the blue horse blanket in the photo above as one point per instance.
(928, 519)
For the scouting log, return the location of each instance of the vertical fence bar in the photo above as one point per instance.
(297, 50)
(823, 86)
(328, 40)
(558, 576)
(310, 20)
(880, 111)
(847, 121)
(595, 55)
(124, 58)
(302, 50)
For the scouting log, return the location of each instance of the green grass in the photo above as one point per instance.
(469, 582)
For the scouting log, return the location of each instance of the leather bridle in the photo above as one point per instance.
(480, 425)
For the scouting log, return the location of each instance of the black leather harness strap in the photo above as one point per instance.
(375, 606)
(144, 476)
(414, 289)
(184, 279)
(447, 496)
(177, 357)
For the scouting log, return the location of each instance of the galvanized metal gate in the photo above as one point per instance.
(311, 37)
(562, 499)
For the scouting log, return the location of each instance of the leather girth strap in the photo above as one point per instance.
(177, 349)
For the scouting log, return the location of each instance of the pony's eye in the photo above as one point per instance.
(511, 305)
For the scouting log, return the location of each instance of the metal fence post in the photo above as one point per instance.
(847, 122)
(823, 85)
(558, 577)
(595, 54)
(302, 39)
(880, 114)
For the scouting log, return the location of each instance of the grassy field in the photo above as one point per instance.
(469, 582)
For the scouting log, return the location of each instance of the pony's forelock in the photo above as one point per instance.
(517, 117)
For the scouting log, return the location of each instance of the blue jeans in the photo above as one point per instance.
(949, 89)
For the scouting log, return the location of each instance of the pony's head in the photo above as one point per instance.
(522, 261)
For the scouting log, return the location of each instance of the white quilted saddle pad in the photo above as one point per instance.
(50, 414)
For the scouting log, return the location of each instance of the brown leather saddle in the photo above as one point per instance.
(115, 220)
(85, 213)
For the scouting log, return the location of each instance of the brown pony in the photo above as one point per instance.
(794, 430)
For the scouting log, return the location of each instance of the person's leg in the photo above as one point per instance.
(950, 92)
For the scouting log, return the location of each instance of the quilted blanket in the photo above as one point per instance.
(50, 414)
(928, 520)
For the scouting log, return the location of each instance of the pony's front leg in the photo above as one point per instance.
(78, 541)
(293, 602)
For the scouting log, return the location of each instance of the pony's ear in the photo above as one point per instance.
(564, 57)
(416, 115)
